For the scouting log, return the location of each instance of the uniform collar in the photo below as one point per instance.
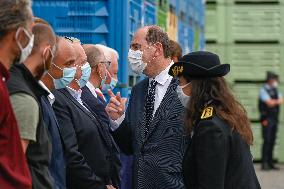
(163, 77)
(4, 73)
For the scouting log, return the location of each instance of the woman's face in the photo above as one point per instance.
(183, 82)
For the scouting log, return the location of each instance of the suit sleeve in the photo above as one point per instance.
(211, 155)
(123, 134)
(77, 166)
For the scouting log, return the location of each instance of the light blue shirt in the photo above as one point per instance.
(264, 96)
(76, 95)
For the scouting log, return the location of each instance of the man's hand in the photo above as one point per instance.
(116, 106)
(110, 187)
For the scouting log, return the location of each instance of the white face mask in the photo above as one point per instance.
(184, 99)
(135, 61)
(25, 51)
(275, 84)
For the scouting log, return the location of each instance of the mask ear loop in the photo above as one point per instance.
(17, 35)
(185, 85)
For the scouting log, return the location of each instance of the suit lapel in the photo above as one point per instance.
(70, 97)
(141, 111)
(164, 107)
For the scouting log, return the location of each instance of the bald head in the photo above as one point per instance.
(94, 55)
(81, 57)
(65, 54)
(43, 35)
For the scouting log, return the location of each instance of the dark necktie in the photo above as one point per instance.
(150, 105)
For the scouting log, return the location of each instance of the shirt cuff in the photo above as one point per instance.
(115, 124)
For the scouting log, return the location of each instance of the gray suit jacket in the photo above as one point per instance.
(158, 156)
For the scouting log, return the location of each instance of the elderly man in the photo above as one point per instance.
(16, 43)
(152, 127)
(87, 146)
(112, 71)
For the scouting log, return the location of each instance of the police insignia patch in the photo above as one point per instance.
(207, 112)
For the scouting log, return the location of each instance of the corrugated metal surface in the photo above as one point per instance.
(113, 23)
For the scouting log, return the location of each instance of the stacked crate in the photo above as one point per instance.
(247, 34)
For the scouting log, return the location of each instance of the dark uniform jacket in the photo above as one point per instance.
(217, 157)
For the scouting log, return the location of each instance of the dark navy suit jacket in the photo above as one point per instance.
(57, 164)
(158, 156)
(98, 110)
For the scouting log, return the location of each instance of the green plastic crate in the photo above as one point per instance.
(255, 22)
(247, 94)
(215, 25)
(257, 141)
(250, 62)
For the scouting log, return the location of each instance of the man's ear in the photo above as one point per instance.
(46, 52)
(159, 49)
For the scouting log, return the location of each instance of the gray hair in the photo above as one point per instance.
(156, 34)
(109, 52)
(94, 54)
(14, 14)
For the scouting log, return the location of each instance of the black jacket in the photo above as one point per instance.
(87, 151)
(158, 156)
(98, 110)
(218, 158)
(38, 153)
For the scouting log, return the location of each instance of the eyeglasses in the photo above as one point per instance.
(72, 39)
(106, 62)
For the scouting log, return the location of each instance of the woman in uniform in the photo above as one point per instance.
(218, 156)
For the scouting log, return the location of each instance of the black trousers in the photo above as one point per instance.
(269, 132)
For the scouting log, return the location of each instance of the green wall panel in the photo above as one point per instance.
(254, 22)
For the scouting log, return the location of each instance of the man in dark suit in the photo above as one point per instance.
(152, 127)
(88, 149)
(65, 59)
(99, 65)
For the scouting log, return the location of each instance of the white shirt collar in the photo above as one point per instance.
(74, 93)
(51, 97)
(163, 77)
(92, 88)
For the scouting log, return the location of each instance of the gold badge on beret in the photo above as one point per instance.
(177, 70)
(207, 112)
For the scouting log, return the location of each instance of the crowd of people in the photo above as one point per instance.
(58, 129)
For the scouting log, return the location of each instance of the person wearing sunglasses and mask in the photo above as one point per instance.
(87, 146)
(25, 94)
(219, 152)
(16, 20)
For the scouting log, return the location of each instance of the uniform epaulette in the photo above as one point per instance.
(207, 113)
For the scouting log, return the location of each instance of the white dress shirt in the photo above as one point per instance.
(92, 89)
(163, 82)
(51, 97)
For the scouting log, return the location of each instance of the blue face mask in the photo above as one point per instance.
(110, 86)
(86, 72)
(68, 76)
